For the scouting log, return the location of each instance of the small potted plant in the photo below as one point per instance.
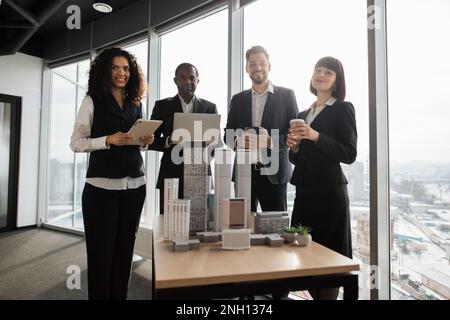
(303, 236)
(289, 234)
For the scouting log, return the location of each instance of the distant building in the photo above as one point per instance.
(361, 238)
(177, 217)
(421, 208)
(447, 251)
(362, 247)
(437, 280)
(222, 183)
(196, 184)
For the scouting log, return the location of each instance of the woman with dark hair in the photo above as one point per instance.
(114, 192)
(317, 147)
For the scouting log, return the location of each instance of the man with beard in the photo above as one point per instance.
(261, 109)
(186, 80)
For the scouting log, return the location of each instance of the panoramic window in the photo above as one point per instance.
(419, 74)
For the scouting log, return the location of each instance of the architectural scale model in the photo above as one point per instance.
(196, 184)
(170, 194)
(271, 222)
(243, 178)
(222, 183)
(234, 213)
(177, 218)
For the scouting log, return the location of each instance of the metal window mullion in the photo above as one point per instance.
(43, 178)
(74, 154)
(379, 154)
(235, 48)
(154, 71)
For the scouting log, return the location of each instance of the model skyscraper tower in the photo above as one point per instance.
(177, 219)
(243, 179)
(196, 184)
(170, 194)
(222, 183)
(234, 213)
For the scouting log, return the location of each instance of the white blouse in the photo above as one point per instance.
(81, 141)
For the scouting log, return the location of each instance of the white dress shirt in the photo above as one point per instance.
(187, 107)
(81, 141)
(315, 110)
(258, 104)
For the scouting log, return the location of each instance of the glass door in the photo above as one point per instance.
(9, 149)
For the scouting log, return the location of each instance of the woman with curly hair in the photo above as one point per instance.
(114, 192)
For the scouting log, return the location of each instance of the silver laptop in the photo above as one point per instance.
(196, 127)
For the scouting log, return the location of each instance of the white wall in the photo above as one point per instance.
(21, 75)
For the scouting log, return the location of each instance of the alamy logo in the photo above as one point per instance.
(368, 278)
(74, 20)
(373, 18)
(74, 280)
(189, 150)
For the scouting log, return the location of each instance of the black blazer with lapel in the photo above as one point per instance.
(164, 110)
(280, 108)
(318, 164)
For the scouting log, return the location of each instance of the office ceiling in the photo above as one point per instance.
(26, 24)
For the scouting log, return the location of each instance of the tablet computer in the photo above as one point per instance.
(142, 128)
(196, 127)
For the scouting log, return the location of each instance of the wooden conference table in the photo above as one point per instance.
(211, 272)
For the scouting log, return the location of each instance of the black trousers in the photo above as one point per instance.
(271, 197)
(111, 220)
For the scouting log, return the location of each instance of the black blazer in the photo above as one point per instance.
(318, 164)
(280, 108)
(164, 110)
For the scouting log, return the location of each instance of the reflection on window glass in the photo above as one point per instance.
(204, 44)
(67, 171)
(68, 71)
(83, 74)
(140, 51)
(296, 35)
(5, 139)
(419, 71)
(61, 173)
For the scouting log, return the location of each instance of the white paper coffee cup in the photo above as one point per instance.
(296, 122)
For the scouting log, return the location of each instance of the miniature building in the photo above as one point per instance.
(170, 193)
(271, 222)
(196, 184)
(274, 240)
(222, 187)
(180, 245)
(177, 218)
(258, 239)
(236, 239)
(234, 213)
(210, 206)
(243, 178)
(209, 237)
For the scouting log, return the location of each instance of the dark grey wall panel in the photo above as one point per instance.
(121, 24)
(68, 43)
(118, 25)
(165, 10)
